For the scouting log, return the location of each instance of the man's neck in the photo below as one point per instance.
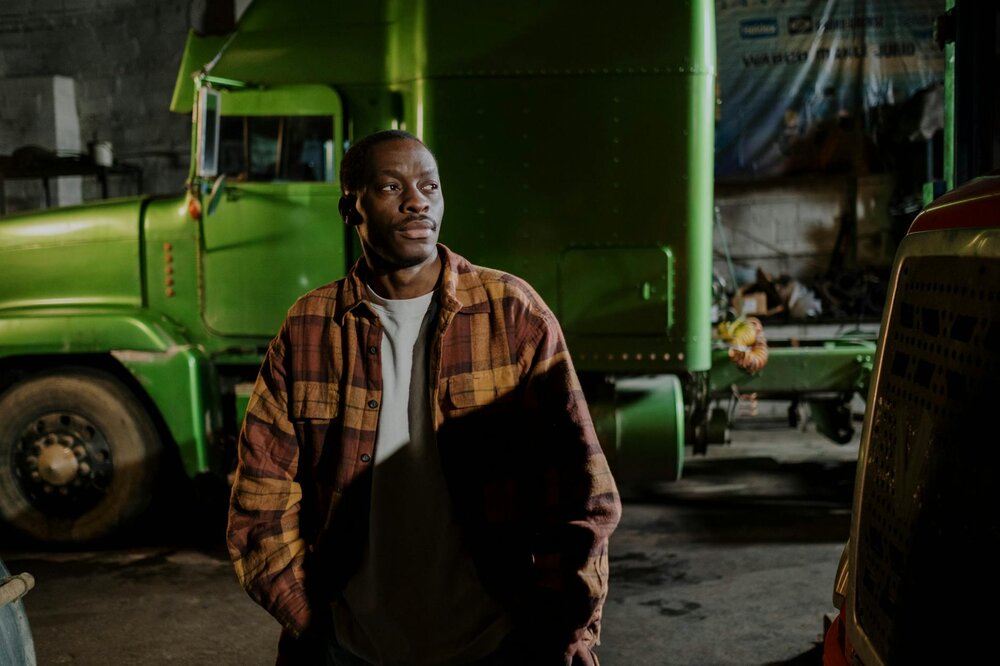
(408, 282)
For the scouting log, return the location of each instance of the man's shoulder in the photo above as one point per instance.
(319, 302)
(493, 278)
(506, 289)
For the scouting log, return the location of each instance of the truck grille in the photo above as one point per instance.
(929, 523)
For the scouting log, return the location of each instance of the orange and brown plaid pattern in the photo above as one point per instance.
(529, 482)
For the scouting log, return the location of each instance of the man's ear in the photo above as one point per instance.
(348, 209)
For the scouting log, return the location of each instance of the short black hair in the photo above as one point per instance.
(354, 167)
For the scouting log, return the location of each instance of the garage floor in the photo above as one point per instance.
(732, 565)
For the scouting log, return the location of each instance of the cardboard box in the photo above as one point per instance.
(750, 304)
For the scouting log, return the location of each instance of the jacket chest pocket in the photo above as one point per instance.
(319, 429)
(469, 392)
(314, 401)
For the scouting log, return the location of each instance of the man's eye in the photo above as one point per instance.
(390, 187)
(432, 186)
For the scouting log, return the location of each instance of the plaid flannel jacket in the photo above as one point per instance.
(531, 487)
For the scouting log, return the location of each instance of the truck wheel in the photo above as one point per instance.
(78, 456)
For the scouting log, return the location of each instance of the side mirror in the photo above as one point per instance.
(209, 104)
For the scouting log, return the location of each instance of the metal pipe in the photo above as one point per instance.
(15, 587)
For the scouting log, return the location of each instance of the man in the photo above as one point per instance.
(419, 481)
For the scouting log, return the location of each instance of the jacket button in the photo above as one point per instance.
(373, 349)
(372, 404)
(365, 457)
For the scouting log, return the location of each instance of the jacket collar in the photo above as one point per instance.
(460, 288)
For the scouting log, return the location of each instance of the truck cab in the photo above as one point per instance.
(131, 329)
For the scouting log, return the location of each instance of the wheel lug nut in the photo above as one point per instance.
(79, 451)
(84, 469)
(35, 476)
(32, 460)
(47, 488)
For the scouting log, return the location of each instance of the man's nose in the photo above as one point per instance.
(415, 201)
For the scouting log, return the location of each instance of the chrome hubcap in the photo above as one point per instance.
(63, 463)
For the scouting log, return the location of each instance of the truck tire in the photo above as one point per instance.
(78, 456)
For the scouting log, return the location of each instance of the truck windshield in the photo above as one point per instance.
(273, 148)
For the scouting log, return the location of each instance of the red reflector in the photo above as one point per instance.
(194, 208)
(835, 644)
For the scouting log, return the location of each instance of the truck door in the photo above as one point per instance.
(270, 230)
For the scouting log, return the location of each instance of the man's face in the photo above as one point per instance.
(401, 205)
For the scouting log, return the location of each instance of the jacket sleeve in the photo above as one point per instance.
(580, 505)
(263, 534)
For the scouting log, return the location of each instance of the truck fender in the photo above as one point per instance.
(177, 376)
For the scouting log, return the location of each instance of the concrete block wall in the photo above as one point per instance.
(790, 226)
(120, 57)
(40, 111)
(876, 246)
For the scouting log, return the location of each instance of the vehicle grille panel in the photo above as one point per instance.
(928, 531)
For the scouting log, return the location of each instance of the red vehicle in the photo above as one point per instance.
(921, 563)
(920, 567)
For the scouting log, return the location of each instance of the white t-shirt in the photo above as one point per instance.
(417, 598)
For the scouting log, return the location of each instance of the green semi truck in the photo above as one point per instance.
(576, 148)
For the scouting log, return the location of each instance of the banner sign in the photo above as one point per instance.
(797, 77)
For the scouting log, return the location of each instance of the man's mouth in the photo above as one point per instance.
(416, 228)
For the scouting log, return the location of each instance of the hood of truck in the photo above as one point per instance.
(79, 255)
